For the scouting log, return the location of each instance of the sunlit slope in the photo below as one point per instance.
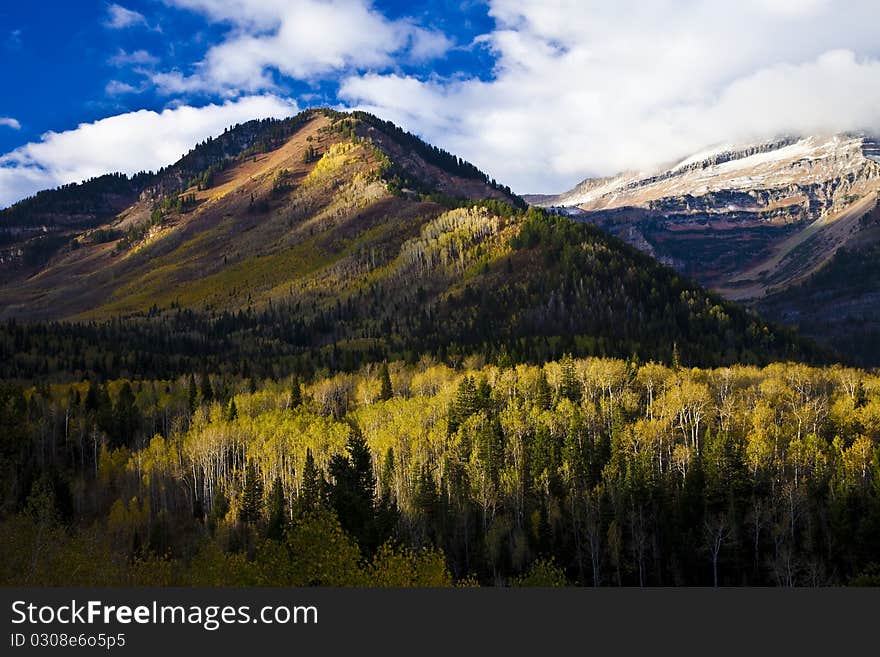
(272, 220)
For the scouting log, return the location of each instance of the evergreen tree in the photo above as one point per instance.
(426, 501)
(90, 403)
(277, 515)
(484, 395)
(193, 394)
(206, 390)
(295, 393)
(104, 415)
(543, 393)
(387, 512)
(311, 493)
(251, 507)
(465, 403)
(386, 478)
(353, 490)
(569, 387)
(126, 415)
(387, 391)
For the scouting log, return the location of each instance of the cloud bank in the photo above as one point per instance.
(142, 140)
(300, 39)
(587, 87)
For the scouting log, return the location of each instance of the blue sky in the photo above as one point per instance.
(539, 93)
(59, 68)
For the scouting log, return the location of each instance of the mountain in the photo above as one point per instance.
(328, 240)
(840, 303)
(747, 221)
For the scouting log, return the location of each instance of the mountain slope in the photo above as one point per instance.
(741, 219)
(334, 239)
(840, 303)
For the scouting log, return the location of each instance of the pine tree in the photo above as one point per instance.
(90, 403)
(353, 490)
(387, 513)
(543, 392)
(570, 387)
(277, 517)
(126, 415)
(387, 391)
(251, 508)
(464, 405)
(207, 391)
(193, 394)
(311, 492)
(426, 501)
(484, 395)
(386, 479)
(104, 415)
(295, 393)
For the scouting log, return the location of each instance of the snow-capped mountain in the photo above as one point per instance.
(743, 218)
(775, 167)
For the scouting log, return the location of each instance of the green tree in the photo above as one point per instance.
(543, 392)
(251, 505)
(465, 404)
(277, 511)
(386, 392)
(311, 494)
(569, 386)
(352, 491)
(295, 393)
(126, 416)
(207, 392)
(231, 411)
(192, 395)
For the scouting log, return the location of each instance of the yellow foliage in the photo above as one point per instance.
(407, 567)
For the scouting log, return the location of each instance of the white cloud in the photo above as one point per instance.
(124, 58)
(426, 45)
(302, 39)
(142, 140)
(9, 122)
(118, 17)
(117, 88)
(588, 87)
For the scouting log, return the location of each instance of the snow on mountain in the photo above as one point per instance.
(743, 219)
(779, 164)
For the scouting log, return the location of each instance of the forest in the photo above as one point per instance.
(577, 471)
